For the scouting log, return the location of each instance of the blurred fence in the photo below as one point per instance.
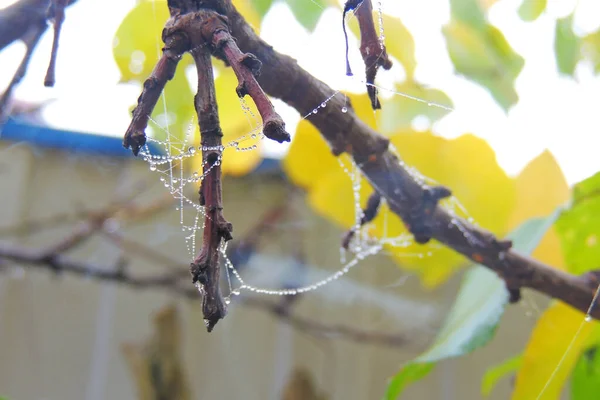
(61, 336)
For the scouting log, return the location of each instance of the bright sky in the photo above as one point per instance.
(553, 112)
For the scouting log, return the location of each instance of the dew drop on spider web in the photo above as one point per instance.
(344, 109)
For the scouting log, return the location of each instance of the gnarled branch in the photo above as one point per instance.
(406, 197)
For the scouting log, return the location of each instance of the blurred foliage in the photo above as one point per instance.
(579, 227)
(480, 52)
(530, 10)
(494, 374)
(586, 375)
(546, 362)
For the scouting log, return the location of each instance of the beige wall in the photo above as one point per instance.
(60, 337)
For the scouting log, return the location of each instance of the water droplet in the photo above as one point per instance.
(253, 136)
(588, 318)
(344, 109)
(227, 300)
(315, 111)
(323, 105)
(152, 167)
(192, 150)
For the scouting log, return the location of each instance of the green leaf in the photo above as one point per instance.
(408, 375)
(307, 12)
(585, 379)
(468, 12)
(399, 111)
(579, 227)
(566, 46)
(480, 302)
(262, 6)
(530, 10)
(480, 52)
(496, 373)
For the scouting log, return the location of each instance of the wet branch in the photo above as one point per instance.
(206, 269)
(372, 50)
(56, 12)
(246, 68)
(135, 136)
(415, 204)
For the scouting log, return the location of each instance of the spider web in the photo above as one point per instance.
(172, 164)
(173, 169)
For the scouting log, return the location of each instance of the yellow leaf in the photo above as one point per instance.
(541, 188)
(138, 40)
(309, 156)
(239, 126)
(249, 13)
(475, 181)
(400, 44)
(551, 338)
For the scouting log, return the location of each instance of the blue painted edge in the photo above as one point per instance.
(15, 130)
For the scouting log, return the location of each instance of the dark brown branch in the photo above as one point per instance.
(170, 283)
(372, 50)
(135, 137)
(246, 68)
(23, 20)
(369, 213)
(350, 5)
(205, 268)
(19, 18)
(31, 38)
(414, 203)
(56, 12)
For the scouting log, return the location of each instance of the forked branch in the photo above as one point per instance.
(197, 28)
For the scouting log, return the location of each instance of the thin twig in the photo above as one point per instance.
(247, 67)
(373, 51)
(31, 39)
(56, 12)
(205, 269)
(170, 282)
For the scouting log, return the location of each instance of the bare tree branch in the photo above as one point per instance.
(372, 50)
(170, 282)
(414, 203)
